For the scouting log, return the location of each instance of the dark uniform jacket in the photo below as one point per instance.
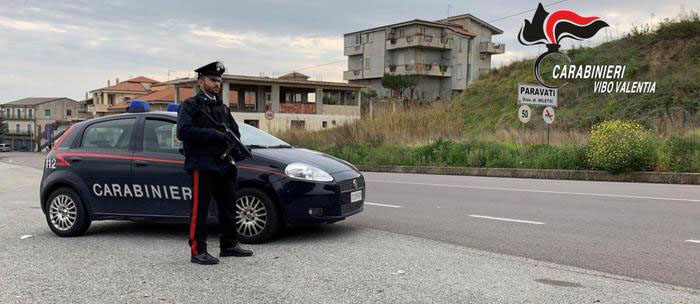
(203, 144)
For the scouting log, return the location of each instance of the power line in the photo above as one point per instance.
(318, 65)
(527, 11)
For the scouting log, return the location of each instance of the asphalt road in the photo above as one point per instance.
(421, 239)
(644, 231)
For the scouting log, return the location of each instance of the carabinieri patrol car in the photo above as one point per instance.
(128, 167)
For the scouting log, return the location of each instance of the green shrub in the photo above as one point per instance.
(617, 146)
(680, 154)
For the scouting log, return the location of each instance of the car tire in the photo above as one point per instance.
(66, 214)
(255, 209)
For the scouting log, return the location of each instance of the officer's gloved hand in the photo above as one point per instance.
(220, 136)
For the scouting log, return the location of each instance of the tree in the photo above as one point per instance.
(393, 82)
(410, 82)
(3, 127)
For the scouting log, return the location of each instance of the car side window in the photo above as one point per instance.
(160, 136)
(111, 134)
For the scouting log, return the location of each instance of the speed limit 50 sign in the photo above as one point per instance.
(524, 113)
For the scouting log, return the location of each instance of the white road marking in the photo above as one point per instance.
(26, 236)
(693, 241)
(382, 205)
(506, 219)
(545, 191)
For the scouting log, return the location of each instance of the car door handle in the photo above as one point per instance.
(140, 163)
(74, 159)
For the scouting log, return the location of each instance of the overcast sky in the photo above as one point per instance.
(66, 48)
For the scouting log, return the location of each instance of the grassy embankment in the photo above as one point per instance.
(480, 129)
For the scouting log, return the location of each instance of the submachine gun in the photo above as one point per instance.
(235, 151)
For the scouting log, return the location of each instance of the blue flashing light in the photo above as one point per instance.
(138, 106)
(173, 107)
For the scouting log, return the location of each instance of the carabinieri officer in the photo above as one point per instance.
(211, 176)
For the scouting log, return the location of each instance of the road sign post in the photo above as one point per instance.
(269, 115)
(548, 117)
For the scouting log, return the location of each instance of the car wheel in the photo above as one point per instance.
(257, 217)
(65, 213)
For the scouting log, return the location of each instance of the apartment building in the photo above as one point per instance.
(119, 93)
(446, 55)
(27, 119)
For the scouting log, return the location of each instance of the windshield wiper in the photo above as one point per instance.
(280, 146)
(256, 147)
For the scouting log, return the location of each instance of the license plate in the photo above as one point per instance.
(356, 196)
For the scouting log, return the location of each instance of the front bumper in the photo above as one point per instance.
(305, 203)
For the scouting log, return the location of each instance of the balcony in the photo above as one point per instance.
(352, 50)
(492, 48)
(420, 69)
(18, 117)
(298, 108)
(19, 133)
(425, 41)
(352, 74)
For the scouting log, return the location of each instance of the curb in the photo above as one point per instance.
(585, 175)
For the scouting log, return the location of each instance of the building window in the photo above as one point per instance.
(31, 113)
(126, 99)
(460, 45)
(298, 124)
(358, 39)
(29, 129)
(110, 99)
(68, 112)
(253, 122)
(19, 113)
(268, 96)
(333, 122)
(459, 71)
(325, 124)
(469, 71)
(47, 113)
(7, 113)
(367, 63)
(17, 128)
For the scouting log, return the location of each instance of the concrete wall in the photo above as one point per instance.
(374, 49)
(341, 110)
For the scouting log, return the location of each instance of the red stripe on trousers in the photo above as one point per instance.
(193, 222)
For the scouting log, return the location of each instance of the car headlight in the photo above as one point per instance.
(307, 172)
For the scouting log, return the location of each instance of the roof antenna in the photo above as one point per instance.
(448, 11)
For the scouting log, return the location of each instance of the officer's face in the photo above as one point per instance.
(211, 85)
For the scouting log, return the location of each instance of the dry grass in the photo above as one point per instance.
(407, 126)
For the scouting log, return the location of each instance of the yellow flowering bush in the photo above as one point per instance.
(617, 146)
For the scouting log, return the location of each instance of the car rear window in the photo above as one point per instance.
(111, 134)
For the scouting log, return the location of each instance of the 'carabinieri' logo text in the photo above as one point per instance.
(551, 28)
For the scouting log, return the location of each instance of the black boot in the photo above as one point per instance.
(204, 259)
(235, 251)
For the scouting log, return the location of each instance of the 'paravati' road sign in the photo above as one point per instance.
(537, 95)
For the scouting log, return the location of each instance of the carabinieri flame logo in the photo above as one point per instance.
(550, 29)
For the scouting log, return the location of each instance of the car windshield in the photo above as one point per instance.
(256, 138)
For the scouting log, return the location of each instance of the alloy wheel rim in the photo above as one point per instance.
(251, 216)
(62, 212)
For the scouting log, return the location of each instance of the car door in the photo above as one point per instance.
(102, 159)
(158, 168)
